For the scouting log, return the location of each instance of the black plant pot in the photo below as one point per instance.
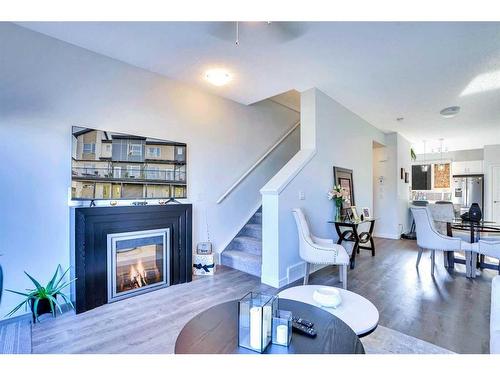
(42, 308)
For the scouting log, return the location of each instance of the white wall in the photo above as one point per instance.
(46, 86)
(491, 158)
(385, 187)
(334, 136)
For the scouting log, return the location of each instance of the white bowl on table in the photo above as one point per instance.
(327, 297)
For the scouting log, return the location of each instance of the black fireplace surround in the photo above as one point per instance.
(93, 224)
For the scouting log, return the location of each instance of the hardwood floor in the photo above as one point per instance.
(448, 310)
(148, 323)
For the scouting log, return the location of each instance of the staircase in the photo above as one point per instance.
(244, 252)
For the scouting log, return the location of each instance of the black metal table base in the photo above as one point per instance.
(360, 239)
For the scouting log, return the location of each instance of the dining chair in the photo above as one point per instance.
(489, 248)
(315, 250)
(442, 213)
(429, 238)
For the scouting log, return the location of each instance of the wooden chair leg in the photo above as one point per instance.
(433, 262)
(419, 256)
(306, 276)
(344, 277)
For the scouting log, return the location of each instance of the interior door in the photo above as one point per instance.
(495, 178)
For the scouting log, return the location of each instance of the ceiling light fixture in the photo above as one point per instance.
(218, 77)
(449, 112)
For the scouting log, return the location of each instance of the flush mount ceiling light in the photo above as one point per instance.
(450, 111)
(218, 77)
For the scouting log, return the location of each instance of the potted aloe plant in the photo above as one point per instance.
(43, 299)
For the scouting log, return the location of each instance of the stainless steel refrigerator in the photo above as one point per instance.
(468, 189)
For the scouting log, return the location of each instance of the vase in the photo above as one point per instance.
(337, 211)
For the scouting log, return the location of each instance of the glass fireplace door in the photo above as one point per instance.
(137, 262)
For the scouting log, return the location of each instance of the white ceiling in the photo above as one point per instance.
(380, 71)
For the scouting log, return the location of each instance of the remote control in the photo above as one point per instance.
(303, 330)
(304, 322)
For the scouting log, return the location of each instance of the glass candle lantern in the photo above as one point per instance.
(282, 328)
(255, 316)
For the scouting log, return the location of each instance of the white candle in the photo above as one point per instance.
(282, 334)
(256, 327)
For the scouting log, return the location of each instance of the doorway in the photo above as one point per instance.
(495, 193)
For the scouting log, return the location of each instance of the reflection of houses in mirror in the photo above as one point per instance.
(109, 165)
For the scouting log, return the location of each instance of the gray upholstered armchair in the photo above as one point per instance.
(314, 250)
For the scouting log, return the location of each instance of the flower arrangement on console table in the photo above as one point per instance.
(339, 195)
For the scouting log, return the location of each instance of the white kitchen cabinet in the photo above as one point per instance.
(467, 167)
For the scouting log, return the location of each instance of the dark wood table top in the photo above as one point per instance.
(215, 331)
(352, 222)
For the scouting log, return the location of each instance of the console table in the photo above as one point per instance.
(347, 230)
(215, 331)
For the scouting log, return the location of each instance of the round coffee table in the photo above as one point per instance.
(215, 331)
(355, 310)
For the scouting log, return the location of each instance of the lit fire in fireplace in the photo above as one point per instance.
(137, 262)
(138, 268)
(138, 275)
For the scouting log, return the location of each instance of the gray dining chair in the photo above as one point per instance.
(489, 248)
(429, 238)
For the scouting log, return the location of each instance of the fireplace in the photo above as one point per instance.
(127, 250)
(137, 262)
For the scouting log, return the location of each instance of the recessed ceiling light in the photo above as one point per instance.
(450, 111)
(218, 77)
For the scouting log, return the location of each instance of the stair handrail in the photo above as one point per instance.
(261, 159)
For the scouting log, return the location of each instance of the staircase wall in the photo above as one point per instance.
(333, 136)
(246, 198)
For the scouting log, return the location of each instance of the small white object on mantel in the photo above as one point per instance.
(203, 265)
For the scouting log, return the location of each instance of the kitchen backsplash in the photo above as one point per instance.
(418, 195)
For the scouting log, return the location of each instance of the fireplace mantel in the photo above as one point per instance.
(92, 226)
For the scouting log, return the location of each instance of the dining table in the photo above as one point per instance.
(472, 231)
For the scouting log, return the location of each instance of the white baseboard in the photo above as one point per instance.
(391, 236)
